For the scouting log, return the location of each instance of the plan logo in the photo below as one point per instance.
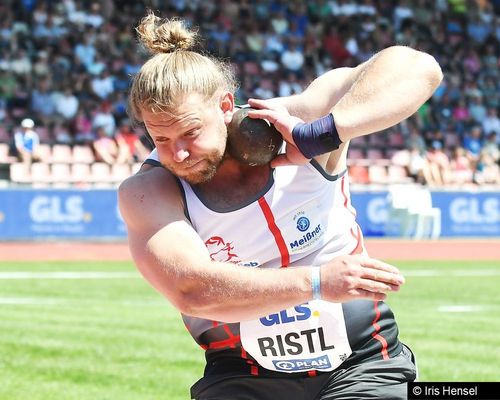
(318, 363)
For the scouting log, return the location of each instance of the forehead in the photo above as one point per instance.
(192, 106)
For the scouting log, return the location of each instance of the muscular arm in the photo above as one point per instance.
(174, 260)
(373, 96)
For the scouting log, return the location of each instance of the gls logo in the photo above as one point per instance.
(300, 313)
(55, 209)
(376, 210)
(467, 210)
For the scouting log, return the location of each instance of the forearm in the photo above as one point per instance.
(220, 291)
(387, 89)
(231, 293)
(227, 292)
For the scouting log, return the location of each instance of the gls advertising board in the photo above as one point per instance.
(93, 214)
(475, 214)
(33, 214)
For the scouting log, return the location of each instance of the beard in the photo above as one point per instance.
(201, 171)
(204, 168)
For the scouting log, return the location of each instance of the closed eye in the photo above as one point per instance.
(192, 133)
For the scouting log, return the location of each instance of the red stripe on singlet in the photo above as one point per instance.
(376, 334)
(278, 237)
(358, 235)
(347, 203)
(254, 369)
(312, 373)
(231, 341)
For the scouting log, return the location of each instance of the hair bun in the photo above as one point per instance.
(165, 35)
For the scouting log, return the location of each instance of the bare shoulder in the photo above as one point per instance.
(152, 196)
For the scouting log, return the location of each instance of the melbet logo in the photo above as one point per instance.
(307, 237)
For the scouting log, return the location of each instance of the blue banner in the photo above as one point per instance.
(52, 213)
(94, 214)
(463, 214)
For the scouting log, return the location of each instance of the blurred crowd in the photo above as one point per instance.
(65, 67)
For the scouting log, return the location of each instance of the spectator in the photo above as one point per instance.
(419, 167)
(292, 58)
(439, 164)
(477, 109)
(473, 143)
(66, 104)
(133, 150)
(107, 149)
(491, 123)
(47, 47)
(491, 146)
(83, 128)
(62, 134)
(26, 142)
(42, 102)
(105, 119)
(461, 168)
(487, 171)
(102, 85)
(416, 141)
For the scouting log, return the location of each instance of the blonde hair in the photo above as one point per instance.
(174, 70)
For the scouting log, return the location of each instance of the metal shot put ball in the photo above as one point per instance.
(252, 141)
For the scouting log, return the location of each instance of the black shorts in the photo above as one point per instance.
(381, 379)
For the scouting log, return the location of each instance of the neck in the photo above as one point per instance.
(233, 185)
(232, 172)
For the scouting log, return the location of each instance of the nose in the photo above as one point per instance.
(180, 152)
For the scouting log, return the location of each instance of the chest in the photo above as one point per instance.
(292, 218)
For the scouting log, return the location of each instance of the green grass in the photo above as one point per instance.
(118, 339)
(451, 346)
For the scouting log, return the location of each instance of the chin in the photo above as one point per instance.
(197, 177)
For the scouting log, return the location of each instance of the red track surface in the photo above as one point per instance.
(385, 249)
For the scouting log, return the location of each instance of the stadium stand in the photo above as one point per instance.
(67, 66)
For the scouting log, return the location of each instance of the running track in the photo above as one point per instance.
(385, 249)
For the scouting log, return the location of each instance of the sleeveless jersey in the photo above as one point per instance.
(302, 217)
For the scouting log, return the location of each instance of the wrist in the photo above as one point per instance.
(316, 283)
(317, 137)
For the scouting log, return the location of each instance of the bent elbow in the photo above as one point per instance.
(423, 65)
(432, 70)
(189, 301)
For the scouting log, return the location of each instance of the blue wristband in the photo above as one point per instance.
(316, 283)
(317, 137)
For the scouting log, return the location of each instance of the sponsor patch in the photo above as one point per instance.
(319, 363)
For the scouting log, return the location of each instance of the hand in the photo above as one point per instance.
(348, 278)
(284, 123)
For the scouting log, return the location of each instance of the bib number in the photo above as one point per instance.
(310, 336)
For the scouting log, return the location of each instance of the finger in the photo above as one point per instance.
(260, 103)
(377, 264)
(376, 286)
(366, 294)
(382, 276)
(270, 115)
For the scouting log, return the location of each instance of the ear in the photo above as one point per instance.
(227, 106)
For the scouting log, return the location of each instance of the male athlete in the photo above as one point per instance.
(267, 264)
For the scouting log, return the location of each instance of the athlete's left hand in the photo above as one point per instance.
(284, 123)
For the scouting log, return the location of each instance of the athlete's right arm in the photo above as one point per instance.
(173, 259)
